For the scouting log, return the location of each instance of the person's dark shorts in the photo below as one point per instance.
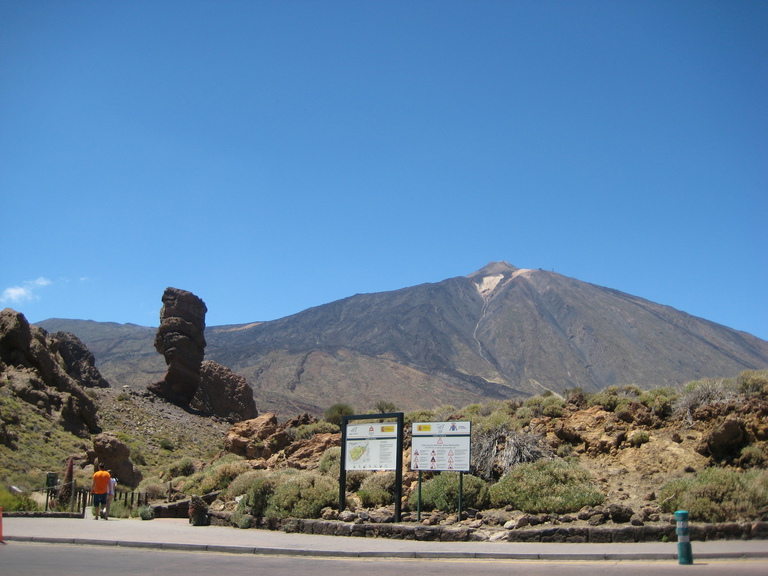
(99, 499)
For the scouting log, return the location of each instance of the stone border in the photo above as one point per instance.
(560, 534)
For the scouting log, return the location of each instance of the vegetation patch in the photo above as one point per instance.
(546, 486)
(442, 493)
(718, 495)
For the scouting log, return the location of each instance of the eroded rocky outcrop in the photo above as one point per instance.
(79, 361)
(268, 444)
(45, 371)
(181, 340)
(206, 387)
(224, 394)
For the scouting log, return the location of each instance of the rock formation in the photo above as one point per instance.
(224, 394)
(269, 444)
(180, 339)
(37, 372)
(207, 387)
(116, 457)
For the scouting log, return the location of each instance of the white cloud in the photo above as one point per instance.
(24, 293)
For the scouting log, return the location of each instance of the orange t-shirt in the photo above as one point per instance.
(101, 482)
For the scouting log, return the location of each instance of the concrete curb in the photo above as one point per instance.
(225, 549)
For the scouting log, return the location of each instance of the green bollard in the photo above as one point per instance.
(684, 553)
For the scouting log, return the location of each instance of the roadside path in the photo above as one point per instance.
(178, 534)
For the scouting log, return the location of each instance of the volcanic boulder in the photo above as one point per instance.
(223, 393)
(116, 457)
(180, 339)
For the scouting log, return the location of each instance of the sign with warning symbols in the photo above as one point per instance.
(441, 446)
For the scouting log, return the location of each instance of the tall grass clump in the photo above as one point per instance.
(546, 486)
(442, 493)
(705, 392)
(718, 495)
(491, 462)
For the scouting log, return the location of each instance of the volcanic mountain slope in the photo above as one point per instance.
(500, 332)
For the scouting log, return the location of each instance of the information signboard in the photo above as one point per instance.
(371, 446)
(441, 446)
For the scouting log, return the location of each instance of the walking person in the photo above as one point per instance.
(110, 493)
(99, 488)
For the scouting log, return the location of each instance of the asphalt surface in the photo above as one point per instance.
(178, 534)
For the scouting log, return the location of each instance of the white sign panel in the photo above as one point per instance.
(441, 446)
(371, 446)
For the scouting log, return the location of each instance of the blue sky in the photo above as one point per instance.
(273, 156)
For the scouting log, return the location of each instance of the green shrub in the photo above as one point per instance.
(442, 493)
(445, 413)
(243, 482)
(418, 416)
(182, 467)
(718, 495)
(639, 438)
(547, 404)
(21, 502)
(217, 476)
(258, 494)
(335, 413)
(524, 415)
(631, 390)
(154, 488)
(330, 465)
(145, 512)
(611, 399)
(166, 444)
(377, 489)
(753, 456)
(661, 401)
(474, 410)
(546, 486)
(118, 509)
(385, 407)
(330, 461)
(308, 430)
(242, 520)
(496, 419)
(753, 382)
(303, 495)
(138, 456)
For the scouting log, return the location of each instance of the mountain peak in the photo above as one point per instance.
(494, 268)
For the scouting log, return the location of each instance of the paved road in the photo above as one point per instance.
(30, 559)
